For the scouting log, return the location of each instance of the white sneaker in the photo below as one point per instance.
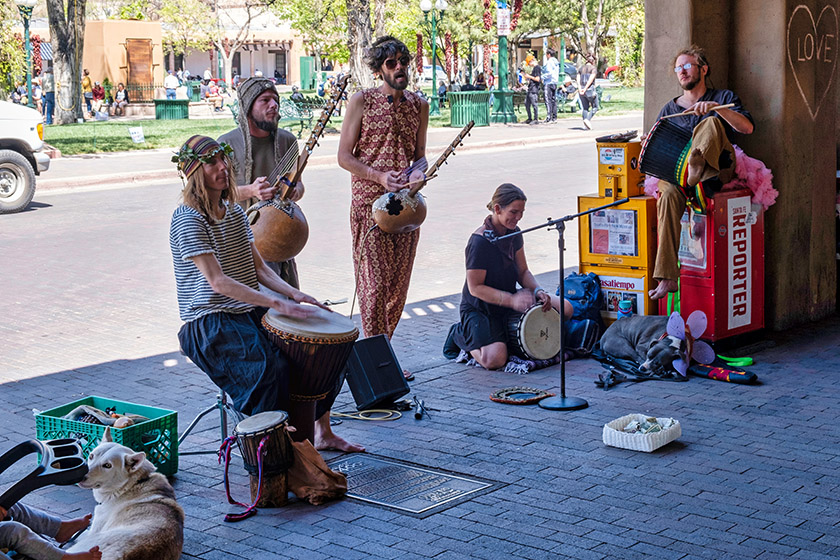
(587, 123)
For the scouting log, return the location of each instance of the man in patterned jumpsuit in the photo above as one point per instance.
(384, 132)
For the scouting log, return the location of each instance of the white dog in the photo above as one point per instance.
(137, 517)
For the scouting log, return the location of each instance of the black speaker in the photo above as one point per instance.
(374, 374)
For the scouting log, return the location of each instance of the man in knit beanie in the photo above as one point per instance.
(258, 144)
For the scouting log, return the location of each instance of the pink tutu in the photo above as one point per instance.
(749, 172)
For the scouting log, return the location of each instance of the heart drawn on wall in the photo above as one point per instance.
(812, 53)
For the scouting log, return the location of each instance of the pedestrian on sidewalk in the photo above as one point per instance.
(48, 85)
(586, 90)
(532, 96)
(550, 78)
(87, 91)
(170, 84)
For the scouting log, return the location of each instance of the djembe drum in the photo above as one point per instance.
(665, 152)
(266, 430)
(535, 334)
(317, 349)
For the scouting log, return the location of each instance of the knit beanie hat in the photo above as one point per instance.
(248, 92)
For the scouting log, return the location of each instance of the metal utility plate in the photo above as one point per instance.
(417, 490)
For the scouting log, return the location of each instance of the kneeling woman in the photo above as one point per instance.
(217, 270)
(490, 296)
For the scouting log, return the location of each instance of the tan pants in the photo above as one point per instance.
(710, 138)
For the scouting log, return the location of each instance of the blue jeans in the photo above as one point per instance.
(170, 93)
(49, 106)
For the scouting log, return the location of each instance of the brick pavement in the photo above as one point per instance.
(754, 474)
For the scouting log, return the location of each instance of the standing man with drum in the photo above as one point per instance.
(711, 157)
(384, 132)
(258, 144)
(490, 297)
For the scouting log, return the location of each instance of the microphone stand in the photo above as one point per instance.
(562, 402)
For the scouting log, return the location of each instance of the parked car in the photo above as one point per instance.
(612, 73)
(21, 158)
(427, 73)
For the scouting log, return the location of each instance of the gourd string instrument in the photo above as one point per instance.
(279, 226)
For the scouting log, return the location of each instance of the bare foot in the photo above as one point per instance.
(696, 166)
(665, 287)
(70, 528)
(326, 439)
(92, 554)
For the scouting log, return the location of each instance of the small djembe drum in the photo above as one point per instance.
(269, 430)
(535, 335)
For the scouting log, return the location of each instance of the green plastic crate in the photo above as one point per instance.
(157, 437)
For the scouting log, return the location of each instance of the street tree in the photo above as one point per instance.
(12, 56)
(183, 22)
(359, 37)
(67, 29)
(630, 44)
(229, 26)
(321, 23)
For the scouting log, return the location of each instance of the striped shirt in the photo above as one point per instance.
(190, 234)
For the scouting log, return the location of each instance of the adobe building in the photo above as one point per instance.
(130, 51)
(780, 57)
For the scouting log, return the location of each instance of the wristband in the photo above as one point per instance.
(537, 290)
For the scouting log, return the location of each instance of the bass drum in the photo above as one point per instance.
(535, 334)
(399, 212)
(280, 229)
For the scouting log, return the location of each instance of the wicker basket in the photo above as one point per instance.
(615, 437)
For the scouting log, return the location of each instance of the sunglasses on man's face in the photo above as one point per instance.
(687, 66)
(391, 63)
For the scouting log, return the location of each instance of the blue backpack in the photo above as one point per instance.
(586, 325)
(584, 293)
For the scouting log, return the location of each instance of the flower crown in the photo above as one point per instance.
(198, 150)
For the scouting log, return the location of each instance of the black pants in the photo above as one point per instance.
(531, 102)
(551, 101)
(588, 105)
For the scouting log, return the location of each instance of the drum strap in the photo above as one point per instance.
(224, 451)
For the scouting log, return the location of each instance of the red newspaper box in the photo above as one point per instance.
(722, 270)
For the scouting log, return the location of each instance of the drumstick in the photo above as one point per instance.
(690, 112)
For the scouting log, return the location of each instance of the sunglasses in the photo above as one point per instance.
(391, 63)
(686, 66)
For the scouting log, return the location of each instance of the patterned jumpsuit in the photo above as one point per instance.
(383, 261)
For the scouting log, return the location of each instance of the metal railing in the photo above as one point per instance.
(142, 93)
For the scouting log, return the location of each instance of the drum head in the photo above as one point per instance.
(539, 333)
(323, 324)
(261, 422)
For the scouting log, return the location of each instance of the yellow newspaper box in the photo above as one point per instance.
(618, 169)
(624, 235)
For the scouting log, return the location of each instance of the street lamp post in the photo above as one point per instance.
(503, 110)
(440, 6)
(25, 8)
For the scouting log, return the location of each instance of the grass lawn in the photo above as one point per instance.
(113, 136)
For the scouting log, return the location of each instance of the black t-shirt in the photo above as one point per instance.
(481, 254)
(721, 96)
(534, 87)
